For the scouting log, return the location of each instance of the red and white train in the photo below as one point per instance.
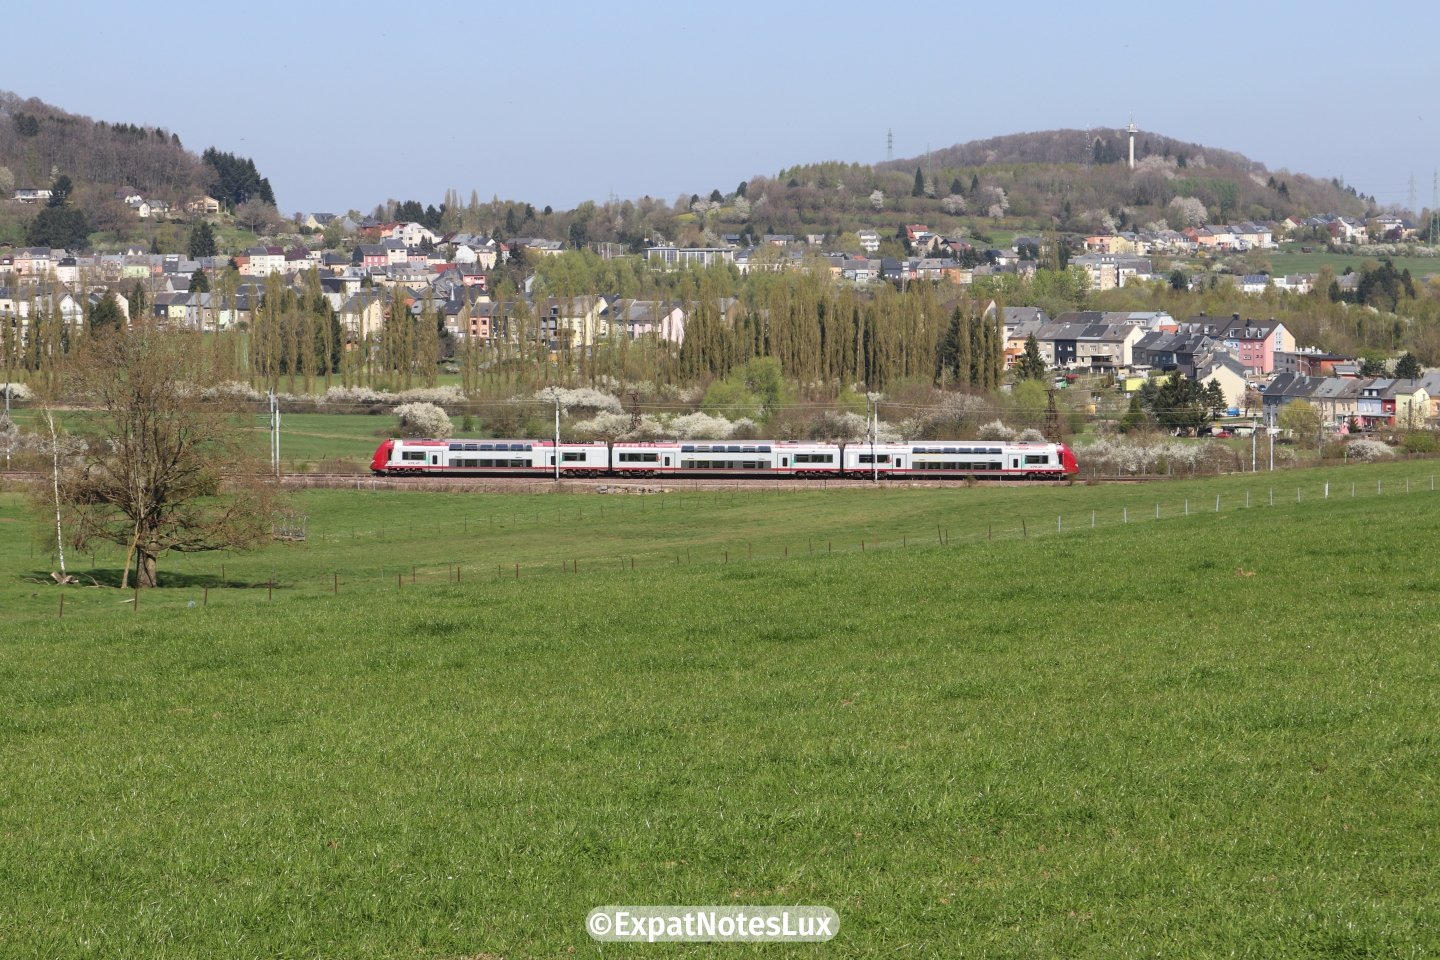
(924, 459)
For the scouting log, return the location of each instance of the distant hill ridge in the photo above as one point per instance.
(1080, 147)
(1069, 180)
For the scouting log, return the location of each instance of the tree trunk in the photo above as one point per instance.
(145, 574)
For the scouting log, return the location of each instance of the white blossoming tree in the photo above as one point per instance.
(423, 420)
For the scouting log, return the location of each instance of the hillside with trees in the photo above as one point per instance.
(1069, 180)
(99, 162)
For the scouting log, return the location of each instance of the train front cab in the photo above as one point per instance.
(381, 460)
(1069, 466)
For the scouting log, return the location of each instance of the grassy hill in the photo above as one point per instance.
(1209, 735)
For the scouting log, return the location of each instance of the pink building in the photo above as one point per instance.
(1252, 342)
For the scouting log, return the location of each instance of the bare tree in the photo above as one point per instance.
(257, 216)
(167, 471)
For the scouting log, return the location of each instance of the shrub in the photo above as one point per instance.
(423, 420)
(956, 415)
(16, 391)
(836, 427)
(700, 426)
(438, 395)
(1030, 435)
(610, 426)
(1419, 441)
(994, 430)
(580, 398)
(1368, 451)
(1115, 456)
(355, 396)
(731, 398)
(232, 390)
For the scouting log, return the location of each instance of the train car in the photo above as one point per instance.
(488, 458)
(717, 459)
(876, 459)
(992, 460)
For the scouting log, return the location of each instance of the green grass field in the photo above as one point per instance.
(1288, 259)
(1207, 735)
(306, 438)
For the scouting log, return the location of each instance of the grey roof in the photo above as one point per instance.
(1395, 388)
(1291, 385)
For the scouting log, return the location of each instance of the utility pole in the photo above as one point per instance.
(556, 396)
(874, 399)
(1254, 428)
(6, 425)
(1435, 208)
(1271, 431)
(274, 434)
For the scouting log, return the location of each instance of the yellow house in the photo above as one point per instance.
(1412, 404)
(578, 321)
(1231, 378)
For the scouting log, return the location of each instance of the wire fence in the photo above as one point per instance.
(227, 582)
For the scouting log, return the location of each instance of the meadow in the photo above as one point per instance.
(1290, 259)
(1211, 734)
(307, 439)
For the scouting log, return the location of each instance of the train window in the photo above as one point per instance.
(457, 447)
(472, 446)
(574, 457)
(1036, 458)
(487, 446)
(517, 446)
(734, 448)
(413, 455)
(526, 447)
(688, 448)
(763, 448)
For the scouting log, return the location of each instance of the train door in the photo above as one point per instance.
(899, 463)
(1014, 462)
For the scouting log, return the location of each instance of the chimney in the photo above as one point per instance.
(1235, 316)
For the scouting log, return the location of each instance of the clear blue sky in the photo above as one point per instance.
(342, 105)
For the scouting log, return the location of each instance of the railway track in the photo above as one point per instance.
(365, 481)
